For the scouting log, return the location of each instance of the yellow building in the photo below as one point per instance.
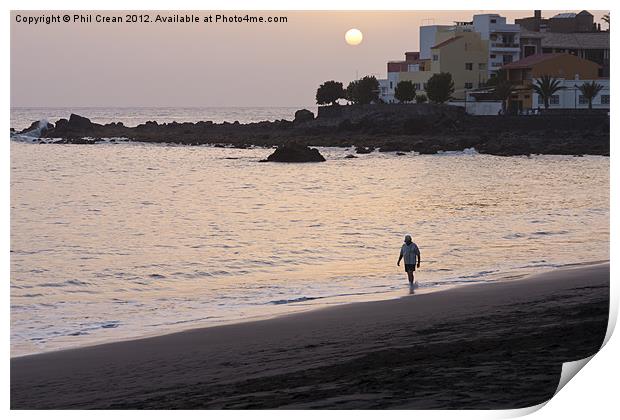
(461, 53)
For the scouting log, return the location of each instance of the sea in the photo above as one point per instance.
(112, 242)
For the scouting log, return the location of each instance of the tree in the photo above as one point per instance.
(367, 90)
(351, 90)
(329, 92)
(606, 20)
(421, 98)
(498, 76)
(589, 90)
(502, 91)
(405, 91)
(440, 87)
(546, 87)
(363, 91)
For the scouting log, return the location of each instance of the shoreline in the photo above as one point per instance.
(325, 302)
(165, 371)
(423, 128)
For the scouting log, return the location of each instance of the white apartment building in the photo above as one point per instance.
(504, 45)
(571, 98)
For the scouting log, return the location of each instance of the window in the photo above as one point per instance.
(391, 85)
(507, 58)
(469, 85)
(582, 100)
(604, 99)
(469, 66)
(529, 50)
(493, 20)
(553, 100)
(482, 66)
(492, 55)
(435, 57)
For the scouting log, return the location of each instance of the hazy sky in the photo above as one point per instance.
(209, 64)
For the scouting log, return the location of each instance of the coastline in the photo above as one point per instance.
(301, 306)
(423, 128)
(530, 326)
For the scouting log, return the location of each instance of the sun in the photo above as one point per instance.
(353, 36)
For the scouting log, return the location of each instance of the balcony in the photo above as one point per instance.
(505, 27)
(504, 45)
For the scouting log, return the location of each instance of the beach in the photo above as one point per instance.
(498, 345)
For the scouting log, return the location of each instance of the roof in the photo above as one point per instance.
(530, 34)
(446, 42)
(531, 60)
(564, 16)
(578, 40)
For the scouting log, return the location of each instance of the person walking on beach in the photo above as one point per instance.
(410, 252)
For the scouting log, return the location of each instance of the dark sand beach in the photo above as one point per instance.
(493, 346)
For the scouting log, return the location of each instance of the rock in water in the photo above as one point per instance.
(303, 115)
(295, 153)
(37, 129)
(361, 150)
(78, 122)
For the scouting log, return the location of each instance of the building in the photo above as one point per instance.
(463, 54)
(593, 46)
(573, 22)
(534, 23)
(570, 96)
(412, 64)
(573, 33)
(504, 39)
(531, 43)
(432, 35)
(560, 23)
(565, 66)
(465, 57)
(471, 51)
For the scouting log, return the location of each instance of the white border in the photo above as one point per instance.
(591, 395)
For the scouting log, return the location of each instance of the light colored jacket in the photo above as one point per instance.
(410, 253)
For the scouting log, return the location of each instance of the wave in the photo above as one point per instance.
(34, 132)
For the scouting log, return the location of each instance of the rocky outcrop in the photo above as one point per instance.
(303, 115)
(362, 150)
(422, 128)
(295, 153)
(78, 122)
(36, 129)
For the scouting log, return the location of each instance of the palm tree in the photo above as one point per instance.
(498, 76)
(589, 90)
(546, 87)
(606, 20)
(502, 91)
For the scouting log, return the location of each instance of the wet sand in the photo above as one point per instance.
(490, 346)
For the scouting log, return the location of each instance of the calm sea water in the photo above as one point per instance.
(22, 117)
(110, 242)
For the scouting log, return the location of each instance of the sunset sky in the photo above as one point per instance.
(209, 64)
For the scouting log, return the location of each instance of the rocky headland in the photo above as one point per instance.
(423, 128)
